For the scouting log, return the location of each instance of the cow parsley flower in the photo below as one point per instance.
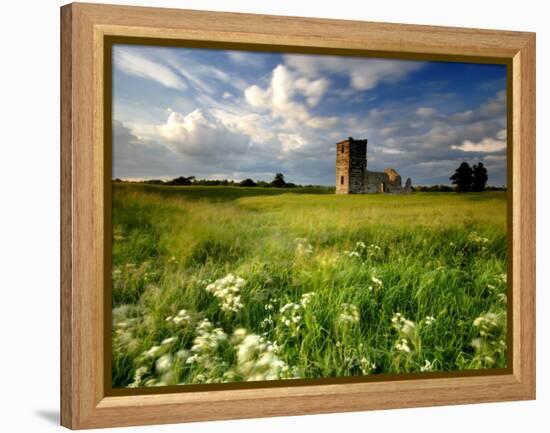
(402, 345)
(303, 247)
(367, 367)
(349, 314)
(164, 363)
(257, 358)
(138, 375)
(183, 318)
(168, 341)
(306, 298)
(227, 290)
(429, 320)
(428, 366)
(403, 325)
(152, 352)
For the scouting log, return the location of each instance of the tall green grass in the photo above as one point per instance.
(392, 283)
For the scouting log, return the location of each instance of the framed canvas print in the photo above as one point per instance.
(269, 216)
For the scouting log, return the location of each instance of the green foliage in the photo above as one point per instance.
(480, 177)
(463, 178)
(278, 181)
(468, 178)
(247, 182)
(182, 180)
(432, 188)
(217, 284)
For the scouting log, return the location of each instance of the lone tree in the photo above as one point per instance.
(182, 180)
(279, 181)
(247, 182)
(463, 178)
(479, 177)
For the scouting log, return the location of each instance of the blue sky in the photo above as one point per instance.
(234, 114)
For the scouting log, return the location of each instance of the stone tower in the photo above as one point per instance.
(351, 165)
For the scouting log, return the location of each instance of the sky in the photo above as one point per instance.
(219, 114)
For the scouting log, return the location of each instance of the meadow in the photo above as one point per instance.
(224, 284)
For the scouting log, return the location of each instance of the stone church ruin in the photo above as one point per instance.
(352, 176)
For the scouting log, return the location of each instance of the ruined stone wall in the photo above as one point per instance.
(387, 181)
(393, 177)
(374, 181)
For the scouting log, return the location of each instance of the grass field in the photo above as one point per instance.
(222, 284)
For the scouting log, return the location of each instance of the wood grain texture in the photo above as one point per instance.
(84, 26)
(66, 375)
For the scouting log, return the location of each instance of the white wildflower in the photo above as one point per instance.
(367, 367)
(226, 290)
(303, 247)
(402, 345)
(349, 314)
(168, 341)
(267, 322)
(491, 343)
(257, 358)
(152, 352)
(306, 298)
(477, 343)
(487, 323)
(238, 335)
(475, 238)
(428, 366)
(286, 307)
(192, 359)
(403, 325)
(377, 282)
(429, 320)
(164, 363)
(138, 375)
(183, 354)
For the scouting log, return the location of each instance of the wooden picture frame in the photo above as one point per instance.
(85, 218)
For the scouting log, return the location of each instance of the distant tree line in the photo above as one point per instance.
(449, 188)
(466, 178)
(277, 182)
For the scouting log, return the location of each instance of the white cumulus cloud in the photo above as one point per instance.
(486, 145)
(280, 98)
(195, 134)
(291, 142)
(251, 124)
